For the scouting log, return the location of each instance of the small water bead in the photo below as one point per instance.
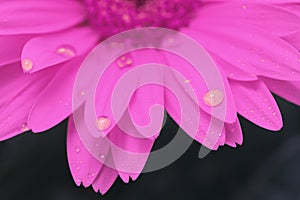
(91, 175)
(124, 61)
(66, 51)
(213, 97)
(77, 149)
(244, 6)
(24, 128)
(103, 123)
(78, 180)
(27, 64)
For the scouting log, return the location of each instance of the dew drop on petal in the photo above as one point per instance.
(24, 128)
(77, 149)
(213, 97)
(103, 123)
(124, 61)
(27, 64)
(66, 51)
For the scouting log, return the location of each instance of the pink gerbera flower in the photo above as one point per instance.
(254, 44)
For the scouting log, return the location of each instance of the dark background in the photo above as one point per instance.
(265, 167)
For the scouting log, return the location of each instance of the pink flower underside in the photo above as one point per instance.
(242, 46)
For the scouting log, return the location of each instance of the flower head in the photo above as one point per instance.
(253, 43)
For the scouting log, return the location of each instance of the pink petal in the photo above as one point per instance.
(117, 71)
(286, 89)
(84, 167)
(198, 129)
(130, 150)
(270, 18)
(293, 39)
(55, 48)
(198, 83)
(255, 102)
(55, 103)
(249, 49)
(234, 134)
(146, 105)
(35, 16)
(233, 72)
(11, 48)
(142, 110)
(21, 92)
(105, 179)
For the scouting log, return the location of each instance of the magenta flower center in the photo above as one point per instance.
(114, 16)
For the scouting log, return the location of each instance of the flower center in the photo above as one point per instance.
(110, 17)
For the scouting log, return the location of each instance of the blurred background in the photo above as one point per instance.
(266, 166)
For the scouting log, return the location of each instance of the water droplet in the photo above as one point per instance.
(124, 61)
(103, 123)
(102, 156)
(213, 97)
(24, 128)
(187, 81)
(27, 64)
(66, 51)
(77, 149)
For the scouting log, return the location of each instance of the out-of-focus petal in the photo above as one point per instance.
(35, 16)
(11, 48)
